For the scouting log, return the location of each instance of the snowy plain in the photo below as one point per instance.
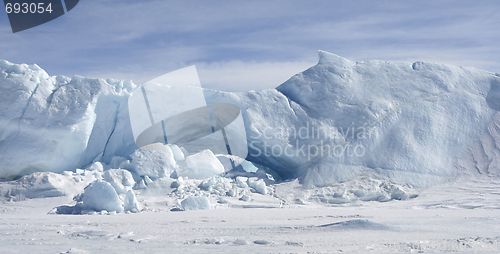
(427, 181)
(459, 217)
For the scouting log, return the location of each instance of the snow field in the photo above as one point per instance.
(451, 218)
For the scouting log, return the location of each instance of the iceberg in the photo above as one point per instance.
(59, 123)
(414, 124)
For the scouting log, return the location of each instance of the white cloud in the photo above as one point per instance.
(234, 76)
(243, 45)
(245, 76)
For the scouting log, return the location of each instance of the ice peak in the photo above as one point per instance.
(330, 58)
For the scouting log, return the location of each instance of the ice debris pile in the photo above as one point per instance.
(124, 187)
(105, 189)
(168, 173)
(343, 131)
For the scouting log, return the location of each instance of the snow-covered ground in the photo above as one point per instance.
(418, 169)
(459, 217)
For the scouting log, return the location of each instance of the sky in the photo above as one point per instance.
(252, 45)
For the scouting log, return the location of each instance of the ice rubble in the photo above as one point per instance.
(116, 190)
(196, 203)
(101, 189)
(101, 195)
(46, 184)
(418, 124)
(153, 163)
(201, 165)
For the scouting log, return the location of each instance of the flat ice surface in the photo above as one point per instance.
(458, 217)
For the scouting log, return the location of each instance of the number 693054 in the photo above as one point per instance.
(28, 8)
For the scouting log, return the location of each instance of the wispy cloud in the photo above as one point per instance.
(244, 76)
(230, 40)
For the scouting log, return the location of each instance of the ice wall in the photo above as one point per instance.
(482, 159)
(414, 120)
(411, 123)
(59, 123)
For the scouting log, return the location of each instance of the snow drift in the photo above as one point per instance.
(411, 124)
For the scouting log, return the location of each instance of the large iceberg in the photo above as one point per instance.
(414, 124)
(57, 123)
(410, 122)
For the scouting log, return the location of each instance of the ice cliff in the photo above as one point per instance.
(417, 119)
(410, 123)
(57, 123)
